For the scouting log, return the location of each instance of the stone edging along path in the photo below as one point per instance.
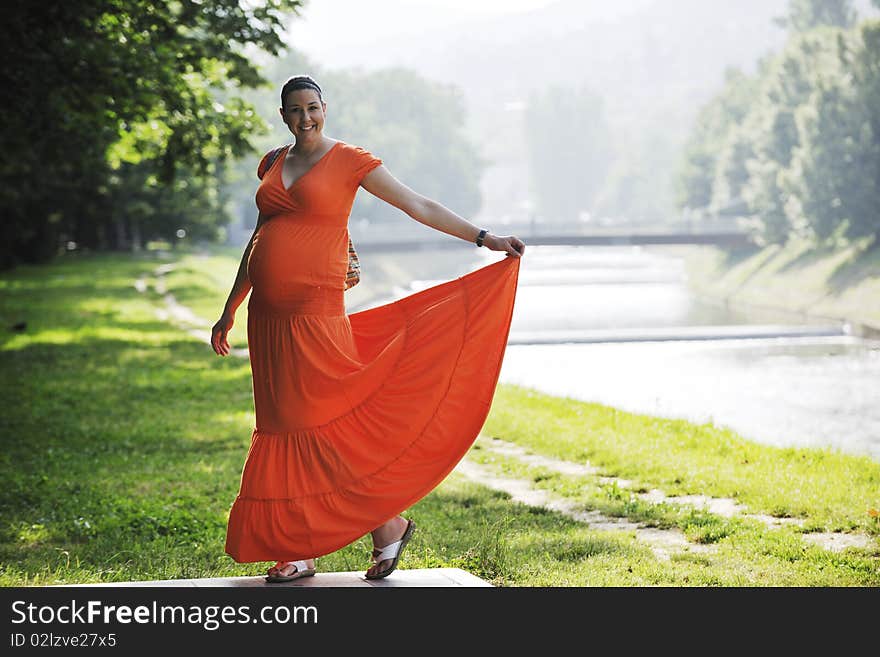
(663, 542)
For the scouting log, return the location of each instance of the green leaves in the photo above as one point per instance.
(799, 152)
(99, 84)
(804, 15)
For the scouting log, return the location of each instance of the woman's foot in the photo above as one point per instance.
(388, 543)
(286, 571)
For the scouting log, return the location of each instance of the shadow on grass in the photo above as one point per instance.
(110, 444)
(482, 531)
(863, 263)
(734, 256)
(105, 437)
(808, 257)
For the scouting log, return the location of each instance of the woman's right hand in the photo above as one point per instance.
(220, 333)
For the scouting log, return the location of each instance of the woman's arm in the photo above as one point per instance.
(380, 183)
(240, 288)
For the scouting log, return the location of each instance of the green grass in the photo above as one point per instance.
(832, 491)
(123, 440)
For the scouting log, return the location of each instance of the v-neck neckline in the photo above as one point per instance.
(307, 172)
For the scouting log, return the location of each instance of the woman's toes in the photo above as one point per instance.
(378, 568)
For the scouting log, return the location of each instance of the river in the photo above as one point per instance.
(619, 326)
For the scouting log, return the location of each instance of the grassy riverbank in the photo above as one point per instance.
(840, 283)
(123, 440)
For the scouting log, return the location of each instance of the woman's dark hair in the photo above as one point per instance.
(300, 82)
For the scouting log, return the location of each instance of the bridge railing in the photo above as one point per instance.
(408, 234)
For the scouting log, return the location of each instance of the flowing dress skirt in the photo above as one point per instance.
(360, 416)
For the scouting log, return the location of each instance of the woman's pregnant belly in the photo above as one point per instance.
(294, 263)
(288, 256)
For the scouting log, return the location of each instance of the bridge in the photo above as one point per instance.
(730, 237)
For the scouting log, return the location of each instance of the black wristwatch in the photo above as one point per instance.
(481, 236)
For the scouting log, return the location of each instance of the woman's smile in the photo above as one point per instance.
(303, 105)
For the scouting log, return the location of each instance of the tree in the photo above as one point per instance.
(569, 163)
(834, 179)
(825, 176)
(788, 82)
(866, 77)
(806, 153)
(100, 83)
(731, 173)
(708, 151)
(804, 15)
(638, 185)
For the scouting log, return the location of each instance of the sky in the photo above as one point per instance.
(330, 31)
(323, 18)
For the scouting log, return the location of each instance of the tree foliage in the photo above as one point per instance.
(633, 189)
(714, 144)
(805, 154)
(112, 96)
(787, 84)
(804, 15)
(568, 165)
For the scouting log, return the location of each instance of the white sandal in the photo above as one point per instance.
(391, 551)
(302, 570)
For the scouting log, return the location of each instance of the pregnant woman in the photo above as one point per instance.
(357, 416)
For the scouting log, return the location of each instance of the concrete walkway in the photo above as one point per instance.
(419, 577)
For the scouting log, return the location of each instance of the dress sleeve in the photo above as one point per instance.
(364, 162)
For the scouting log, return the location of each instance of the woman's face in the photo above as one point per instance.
(303, 112)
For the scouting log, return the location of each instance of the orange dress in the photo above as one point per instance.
(357, 416)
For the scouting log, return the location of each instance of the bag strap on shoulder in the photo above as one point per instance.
(270, 158)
